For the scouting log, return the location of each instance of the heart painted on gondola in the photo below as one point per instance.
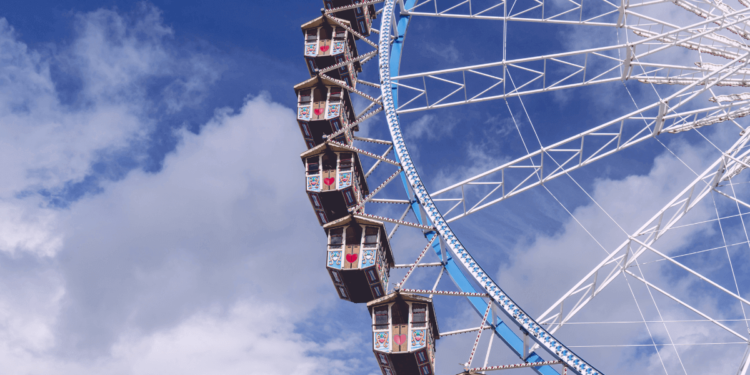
(399, 339)
(329, 181)
(318, 111)
(381, 339)
(351, 258)
(324, 48)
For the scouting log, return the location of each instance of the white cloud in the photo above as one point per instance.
(421, 127)
(54, 129)
(430, 127)
(201, 262)
(208, 265)
(446, 51)
(25, 226)
(252, 337)
(539, 271)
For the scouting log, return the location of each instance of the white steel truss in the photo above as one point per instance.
(599, 13)
(563, 157)
(637, 61)
(484, 82)
(575, 152)
(643, 239)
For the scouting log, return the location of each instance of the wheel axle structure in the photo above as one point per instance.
(658, 36)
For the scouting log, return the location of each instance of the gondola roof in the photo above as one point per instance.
(365, 221)
(335, 148)
(321, 20)
(411, 298)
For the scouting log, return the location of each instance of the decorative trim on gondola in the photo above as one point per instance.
(338, 220)
(333, 110)
(304, 113)
(382, 341)
(311, 49)
(393, 295)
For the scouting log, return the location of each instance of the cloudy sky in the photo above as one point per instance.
(153, 216)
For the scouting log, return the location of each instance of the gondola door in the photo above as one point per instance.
(400, 337)
(324, 42)
(329, 171)
(319, 105)
(325, 47)
(353, 239)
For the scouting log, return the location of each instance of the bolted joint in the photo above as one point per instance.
(621, 18)
(659, 122)
(627, 68)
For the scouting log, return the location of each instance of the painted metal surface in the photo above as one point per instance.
(389, 62)
(459, 264)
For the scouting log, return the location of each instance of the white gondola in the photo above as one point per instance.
(328, 43)
(322, 109)
(404, 330)
(334, 181)
(359, 258)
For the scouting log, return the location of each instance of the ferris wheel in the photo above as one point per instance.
(668, 297)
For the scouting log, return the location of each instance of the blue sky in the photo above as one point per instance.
(152, 212)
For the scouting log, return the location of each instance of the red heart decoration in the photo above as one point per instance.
(324, 48)
(318, 111)
(329, 181)
(351, 258)
(399, 339)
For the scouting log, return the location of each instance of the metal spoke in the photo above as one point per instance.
(652, 54)
(626, 254)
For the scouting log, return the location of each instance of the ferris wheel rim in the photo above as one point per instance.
(389, 52)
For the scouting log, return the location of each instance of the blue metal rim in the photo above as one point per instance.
(389, 64)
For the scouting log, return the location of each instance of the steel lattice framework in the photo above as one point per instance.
(721, 34)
